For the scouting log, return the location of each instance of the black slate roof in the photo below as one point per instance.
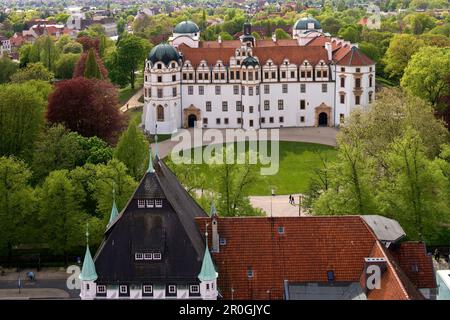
(170, 230)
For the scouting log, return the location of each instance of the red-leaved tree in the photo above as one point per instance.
(88, 43)
(78, 71)
(87, 106)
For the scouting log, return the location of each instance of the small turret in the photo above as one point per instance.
(88, 275)
(208, 275)
(114, 211)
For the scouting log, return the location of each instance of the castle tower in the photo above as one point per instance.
(162, 90)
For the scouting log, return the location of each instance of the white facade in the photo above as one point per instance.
(265, 95)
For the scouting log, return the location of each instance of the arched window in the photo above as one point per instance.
(160, 113)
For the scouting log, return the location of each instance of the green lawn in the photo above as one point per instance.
(126, 93)
(298, 160)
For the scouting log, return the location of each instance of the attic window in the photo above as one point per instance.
(330, 275)
(150, 203)
(158, 203)
(123, 289)
(157, 256)
(358, 70)
(148, 256)
(222, 241)
(342, 69)
(141, 203)
(101, 289)
(281, 230)
(172, 289)
(250, 272)
(138, 256)
(148, 289)
(194, 289)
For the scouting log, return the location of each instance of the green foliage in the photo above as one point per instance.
(65, 65)
(22, 109)
(48, 52)
(72, 47)
(390, 161)
(132, 150)
(427, 73)
(225, 36)
(17, 204)
(61, 217)
(7, 69)
(33, 71)
(400, 50)
(24, 55)
(281, 34)
(91, 69)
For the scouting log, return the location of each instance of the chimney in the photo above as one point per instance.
(329, 50)
(274, 37)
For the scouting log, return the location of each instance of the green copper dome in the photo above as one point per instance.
(163, 52)
(250, 61)
(186, 27)
(302, 24)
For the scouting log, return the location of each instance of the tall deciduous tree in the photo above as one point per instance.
(400, 50)
(132, 150)
(7, 69)
(17, 203)
(22, 108)
(33, 71)
(87, 106)
(65, 66)
(131, 51)
(90, 66)
(60, 213)
(427, 73)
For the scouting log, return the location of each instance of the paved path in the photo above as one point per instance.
(133, 102)
(279, 205)
(320, 135)
(33, 293)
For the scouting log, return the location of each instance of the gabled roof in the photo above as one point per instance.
(170, 230)
(386, 230)
(354, 57)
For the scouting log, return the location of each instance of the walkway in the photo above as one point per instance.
(133, 102)
(277, 206)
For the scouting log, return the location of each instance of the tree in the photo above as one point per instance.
(350, 33)
(63, 222)
(22, 109)
(225, 36)
(97, 69)
(426, 74)
(331, 24)
(48, 54)
(401, 48)
(132, 150)
(281, 34)
(114, 71)
(17, 203)
(65, 66)
(7, 69)
(87, 106)
(24, 55)
(33, 71)
(91, 69)
(56, 148)
(414, 191)
(131, 52)
(72, 47)
(109, 176)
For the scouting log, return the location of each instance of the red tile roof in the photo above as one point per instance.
(308, 248)
(353, 57)
(416, 263)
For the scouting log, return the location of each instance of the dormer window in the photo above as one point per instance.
(101, 289)
(123, 289)
(158, 203)
(194, 289)
(159, 66)
(172, 289)
(173, 64)
(141, 203)
(157, 256)
(148, 289)
(138, 256)
(148, 256)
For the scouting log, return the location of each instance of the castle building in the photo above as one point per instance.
(310, 80)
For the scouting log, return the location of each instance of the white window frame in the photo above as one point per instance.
(174, 287)
(149, 203)
(145, 289)
(158, 203)
(148, 256)
(138, 256)
(156, 255)
(195, 288)
(141, 203)
(101, 288)
(122, 286)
